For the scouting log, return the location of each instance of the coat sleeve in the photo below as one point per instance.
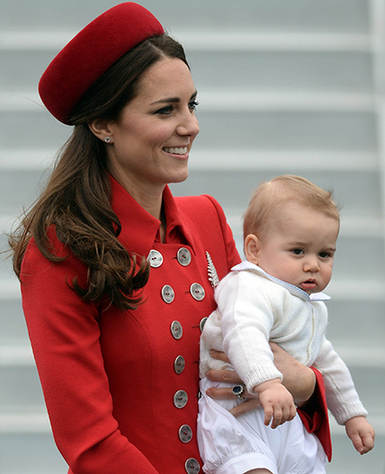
(342, 397)
(64, 334)
(314, 415)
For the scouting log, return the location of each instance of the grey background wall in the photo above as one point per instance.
(283, 87)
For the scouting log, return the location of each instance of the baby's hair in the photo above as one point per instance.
(270, 195)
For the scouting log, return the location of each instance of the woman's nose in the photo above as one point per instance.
(188, 126)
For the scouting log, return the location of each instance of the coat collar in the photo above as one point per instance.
(139, 228)
(294, 290)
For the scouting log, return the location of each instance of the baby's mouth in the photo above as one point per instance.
(308, 284)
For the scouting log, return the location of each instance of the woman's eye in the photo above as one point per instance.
(167, 110)
(193, 105)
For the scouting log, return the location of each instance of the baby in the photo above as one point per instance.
(290, 232)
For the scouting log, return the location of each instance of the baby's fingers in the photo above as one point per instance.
(289, 412)
(277, 417)
(357, 442)
(269, 413)
(368, 442)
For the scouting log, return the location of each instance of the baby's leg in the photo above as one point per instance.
(258, 471)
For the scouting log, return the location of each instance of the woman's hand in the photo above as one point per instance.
(297, 378)
(222, 393)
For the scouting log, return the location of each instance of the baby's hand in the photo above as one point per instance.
(277, 402)
(361, 433)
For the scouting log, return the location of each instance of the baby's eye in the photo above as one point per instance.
(297, 251)
(325, 254)
(193, 105)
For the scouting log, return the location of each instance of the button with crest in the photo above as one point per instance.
(168, 294)
(155, 258)
(184, 256)
(197, 291)
(185, 433)
(179, 364)
(176, 329)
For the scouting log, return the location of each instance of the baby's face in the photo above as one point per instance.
(299, 247)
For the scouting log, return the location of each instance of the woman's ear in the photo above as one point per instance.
(252, 247)
(102, 129)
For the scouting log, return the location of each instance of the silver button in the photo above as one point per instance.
(180, 399)
(176, 330)
(168, 294)
(179, 364)
(197, 291)
(192, 466)
(155, 258)
(202, 323)
(185, 433)
(184, 256)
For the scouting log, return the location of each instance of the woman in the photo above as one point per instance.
(116, 274)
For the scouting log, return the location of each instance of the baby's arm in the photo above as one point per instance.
(343, 399)
(277, 402)
(361, 433)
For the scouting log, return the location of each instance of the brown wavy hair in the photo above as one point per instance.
(76, 199)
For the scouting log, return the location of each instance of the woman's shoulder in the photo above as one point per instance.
(202, 207)
(36, 253)
(204, 200)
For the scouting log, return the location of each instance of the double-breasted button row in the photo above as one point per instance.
(196, 290)
(155, 258)
(192, 466)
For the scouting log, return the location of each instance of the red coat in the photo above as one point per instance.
(112, 380)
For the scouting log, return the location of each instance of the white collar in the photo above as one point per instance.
(294, 290)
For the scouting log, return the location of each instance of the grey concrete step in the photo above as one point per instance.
(263, 15)
(264, 70)
(39, 454)
(233, 188)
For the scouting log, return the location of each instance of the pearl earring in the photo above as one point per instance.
(108, 139)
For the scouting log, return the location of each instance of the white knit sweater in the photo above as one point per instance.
(255, 308)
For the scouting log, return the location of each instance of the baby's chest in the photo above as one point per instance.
(300, 329)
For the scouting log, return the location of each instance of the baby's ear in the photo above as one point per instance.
(252, 246)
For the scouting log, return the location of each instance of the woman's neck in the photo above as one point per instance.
(149, 197)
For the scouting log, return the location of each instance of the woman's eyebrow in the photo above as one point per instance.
(172, 99)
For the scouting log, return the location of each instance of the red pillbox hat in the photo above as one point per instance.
(91, 52)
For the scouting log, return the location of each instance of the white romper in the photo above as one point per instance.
(253, 309)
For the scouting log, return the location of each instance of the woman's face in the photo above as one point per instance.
(152, 138)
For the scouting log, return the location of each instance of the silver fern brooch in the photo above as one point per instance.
(212, 273)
